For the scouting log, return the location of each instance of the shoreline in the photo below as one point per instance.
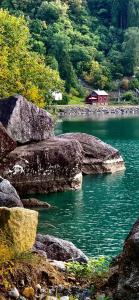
(95, 111)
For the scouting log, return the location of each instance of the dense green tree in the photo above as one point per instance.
(131, 50)
(72, 34)
(21, 70)
(120, 13)
(133, 13)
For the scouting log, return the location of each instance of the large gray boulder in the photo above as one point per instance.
(128, 267)
(8, 195)
(24, 121)
(58, 249)
(48, 166)
(6, 142)
(98, 157)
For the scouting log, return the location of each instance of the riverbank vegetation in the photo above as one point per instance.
(68, 46)
(29, 272)
(96, 267)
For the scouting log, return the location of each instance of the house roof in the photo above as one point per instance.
(100, 93)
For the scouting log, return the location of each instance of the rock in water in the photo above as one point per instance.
(8, 195)
(35, 203)
(47, 166)
(59, 249)
(128, 267)
(98, 157)
(18, 228)
(24, 121)
(6, 142)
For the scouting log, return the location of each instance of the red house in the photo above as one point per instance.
(97, 97)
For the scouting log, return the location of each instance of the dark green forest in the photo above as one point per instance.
(92, 41)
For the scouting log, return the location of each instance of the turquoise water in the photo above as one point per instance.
(98, 218)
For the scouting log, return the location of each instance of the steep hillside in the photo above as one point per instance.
(94, 40)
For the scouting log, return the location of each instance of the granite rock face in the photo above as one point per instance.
(6, 142)
(98, 157)
(59, 249)
(128, 267)
(8, 195)
(48, 166)
(18, 228)
(24, 121)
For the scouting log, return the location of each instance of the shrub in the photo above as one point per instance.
(128, 96)
(96, 267)
(136, 100)
(134, 84)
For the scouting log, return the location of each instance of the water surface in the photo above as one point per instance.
(98, 218)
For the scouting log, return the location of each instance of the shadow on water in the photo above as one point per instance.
(98, 218)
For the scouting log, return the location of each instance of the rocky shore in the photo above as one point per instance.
(96, 111)
(33, 160)
(35, 266)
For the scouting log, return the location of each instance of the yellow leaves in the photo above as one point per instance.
(35, 96)
(22, 71)
(13, 31)
(103, 81)
(95, 66)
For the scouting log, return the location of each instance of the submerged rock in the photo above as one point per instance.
(8, 195)
(48, 166)
(18, 228)
(59, 249)
(35, 203)
(24, 121)
(128, 267)
(98, 157)
(7, 144)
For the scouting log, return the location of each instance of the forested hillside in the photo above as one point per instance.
(93, 40)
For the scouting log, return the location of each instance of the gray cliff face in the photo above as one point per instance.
(58, 249)
(8, 195)
(6, 142)
(24, 121)
(128, 267)
(98, 157)
(48, 166)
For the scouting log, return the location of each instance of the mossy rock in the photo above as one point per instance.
(17, 230)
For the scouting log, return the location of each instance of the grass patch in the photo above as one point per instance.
(75, 100)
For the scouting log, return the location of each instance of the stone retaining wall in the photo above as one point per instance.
(97, 111)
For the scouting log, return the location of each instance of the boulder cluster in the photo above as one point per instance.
(36, 161)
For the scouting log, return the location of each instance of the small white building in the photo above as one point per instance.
(57, 96)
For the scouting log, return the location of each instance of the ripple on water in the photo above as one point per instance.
(98, 218)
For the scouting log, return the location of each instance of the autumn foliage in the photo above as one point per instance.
(23, 71)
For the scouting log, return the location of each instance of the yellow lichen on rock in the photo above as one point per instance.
(18, 228)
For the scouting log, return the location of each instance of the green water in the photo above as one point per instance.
(98, 218)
